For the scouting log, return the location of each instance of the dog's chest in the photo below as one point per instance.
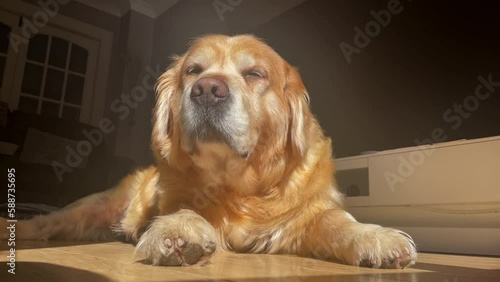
(242, 238)
(240, 220)
(252, 232)
(217, 163)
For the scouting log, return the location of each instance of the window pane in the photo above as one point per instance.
(74, 89)
(28, 105)
(54, 84)
(2, 67)
(50, 109)
(71, 113)
(78, 60)
(4, 37)
(58, 52)
(37, 49)
(32, 79)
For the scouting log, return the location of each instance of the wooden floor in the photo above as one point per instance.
(96, 262)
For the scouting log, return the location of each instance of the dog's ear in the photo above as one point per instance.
(163, 128)
(300, 115)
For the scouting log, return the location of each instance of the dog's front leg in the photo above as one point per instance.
(183, 238)
(335, 234)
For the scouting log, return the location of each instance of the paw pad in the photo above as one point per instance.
(178, 252)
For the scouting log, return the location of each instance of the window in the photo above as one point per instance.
(56, 72)
(54, 77)
(8, 22)
(4, 47)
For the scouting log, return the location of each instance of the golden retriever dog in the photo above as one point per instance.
(242, 165)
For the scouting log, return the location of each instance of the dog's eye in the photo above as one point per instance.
(253, 73)
(194, 70)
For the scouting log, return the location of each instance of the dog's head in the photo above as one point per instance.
(232, 90)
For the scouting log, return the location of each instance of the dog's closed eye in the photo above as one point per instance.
(195, 69)
(253, 74)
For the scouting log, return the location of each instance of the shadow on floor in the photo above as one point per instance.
(39, 271)
(31, 245)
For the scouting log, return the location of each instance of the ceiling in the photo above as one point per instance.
(154, 8)
(151, 8)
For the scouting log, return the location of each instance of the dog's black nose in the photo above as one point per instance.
(209, 91)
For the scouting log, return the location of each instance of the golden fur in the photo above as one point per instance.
(269, 188)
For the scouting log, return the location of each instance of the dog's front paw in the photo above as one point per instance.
(183, 238)
(383, 248)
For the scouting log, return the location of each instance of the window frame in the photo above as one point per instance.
(11, 58)
(90, 45)
(98, 38)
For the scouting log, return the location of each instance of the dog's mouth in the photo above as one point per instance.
(211, 135)
(207, 125)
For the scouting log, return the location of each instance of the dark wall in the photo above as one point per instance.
(397, 89)
(189, 19)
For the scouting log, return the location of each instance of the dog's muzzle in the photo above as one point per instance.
(212, 114)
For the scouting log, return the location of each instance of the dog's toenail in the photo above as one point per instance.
(366, 263)
(210, 246)
(168, 243)
(180, 242)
